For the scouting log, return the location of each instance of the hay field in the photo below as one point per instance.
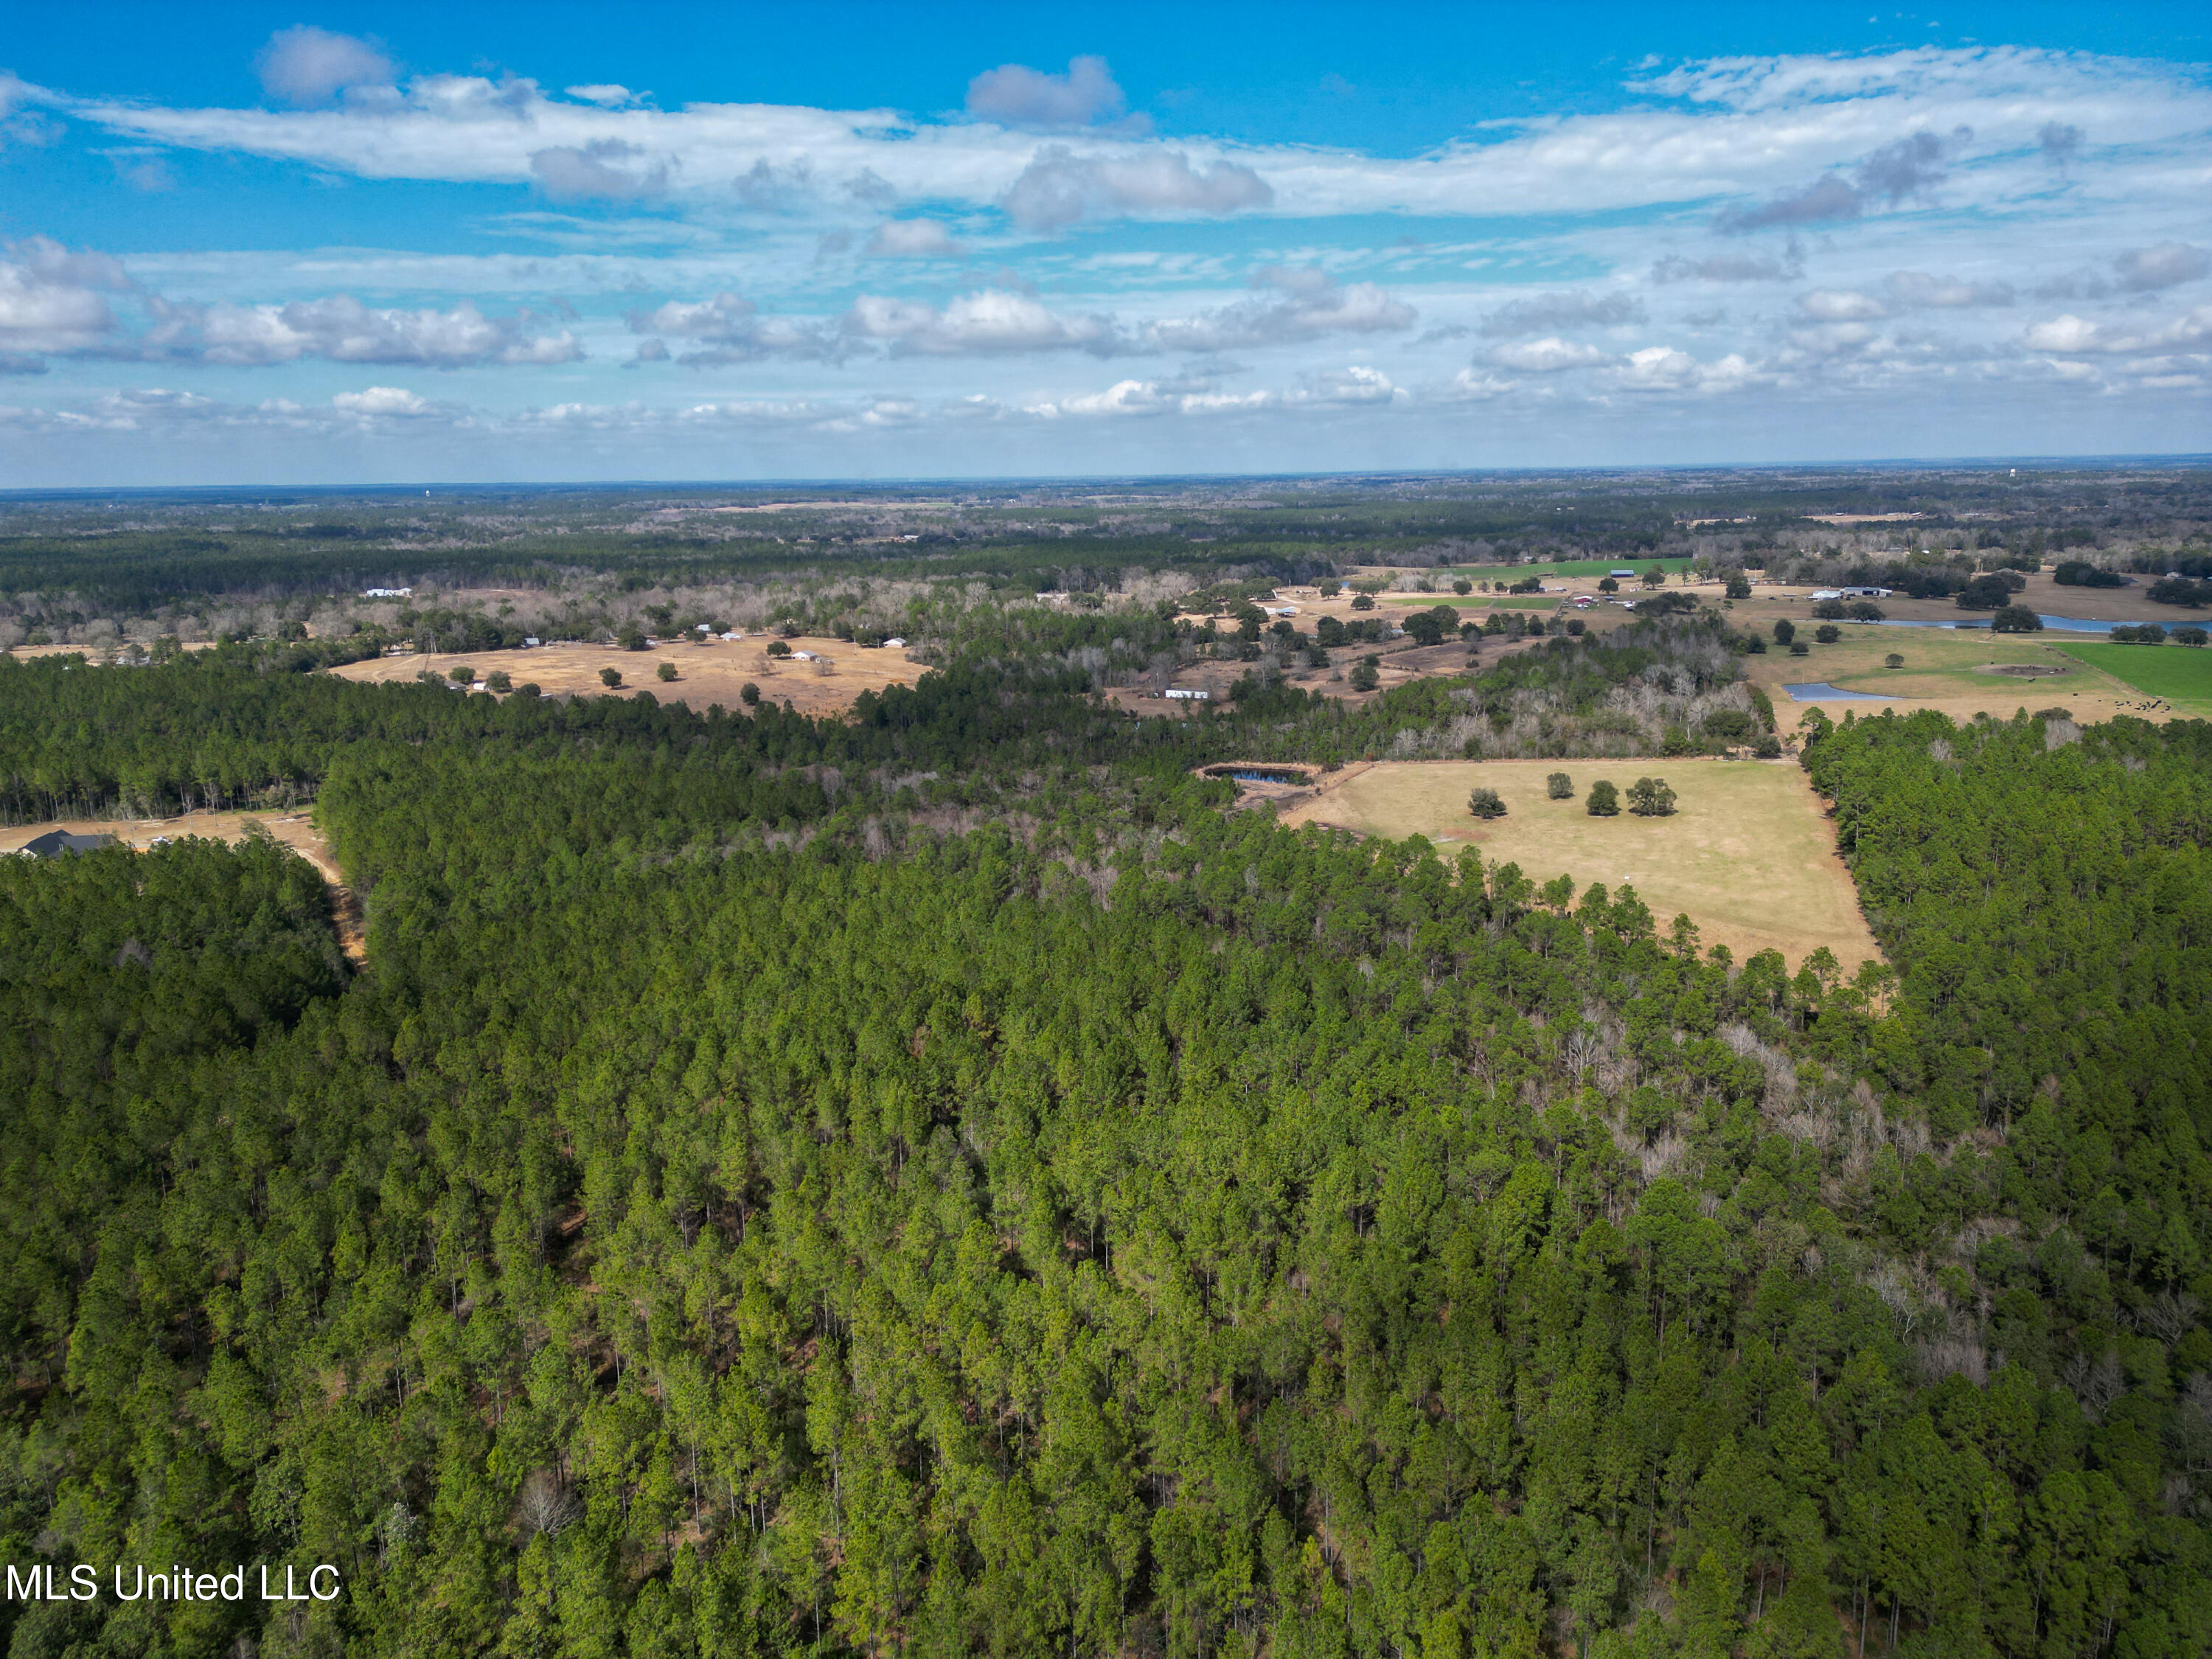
(1748, 853)
(705, 674)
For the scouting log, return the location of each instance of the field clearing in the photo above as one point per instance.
(1475, 601)
(294, 830)
(1956, 674)
(705, 674)
(2181, 674)
(1554, 568)
(1748, 854)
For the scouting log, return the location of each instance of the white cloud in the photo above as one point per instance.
(1058, 188)
(54, 301)
(607, 96)
(1547, 356)
(345, 330)
(1294, 305)
(1663, 368)
(1826, 305)
(1913, 290)
(1359, 383)
(2072, 336)
(1015, 95)
(304, 65)
(989, 323)
(379, 400)
(729, 328)
(1730, 268)
(912, 239)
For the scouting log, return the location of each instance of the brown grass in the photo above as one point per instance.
(1748, 855)
(707, 674)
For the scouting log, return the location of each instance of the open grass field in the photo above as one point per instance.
(705, 674)
(1959, 674)
(1748, 853)
(1560, 567)
(2180, 674)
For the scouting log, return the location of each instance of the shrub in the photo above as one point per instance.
(1865, 611)
(2147, 634)
(1892, 660)
(1560, 787)
(2190, 636)
(1606, 585)
(1576, 625)
(2171, 590)
(1329, 589)
(1364, 677)
(1485, 804)
(1830, 609)
(1800, 648)
(498, 680)
(1363, 601)
(667, 672)
(528, 688)
(1650, 798)
(778, 649)
(631, 640)
(1604, 801)
(610, 678)
(1462, 586)
(1785, 631)
(460, 675)
(1754, 645)
(1827, 633)
(749, 695)
(1528, 585)
(1655, 576)
(2018, 619)
(1739, 585)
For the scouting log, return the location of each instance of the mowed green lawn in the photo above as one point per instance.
(1749, 855)
(2179, 673)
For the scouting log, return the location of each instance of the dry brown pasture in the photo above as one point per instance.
(1749, 855)
(296, 830)
(705, 674)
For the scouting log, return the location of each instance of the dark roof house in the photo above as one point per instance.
(55, 842)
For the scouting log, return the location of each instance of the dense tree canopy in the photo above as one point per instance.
(759, 1199)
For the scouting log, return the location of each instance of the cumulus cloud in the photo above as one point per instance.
(1059, 188)
(1902, 291)
(727, 328)
(1663, 368)
(304, 65)
(344, 329)
(1546, 356)
(1546, 314)
(2071, 336)
(912, 239)
(606, 170)
(1909, 167)
(1015, 95)
(1293, 305)
(379, 400)
(993, 322)
(53, 300)
(1731, 268)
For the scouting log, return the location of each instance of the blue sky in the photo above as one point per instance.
(249, 244)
